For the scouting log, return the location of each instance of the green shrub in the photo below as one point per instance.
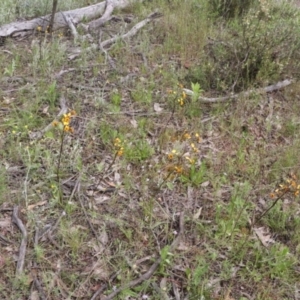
(258, 48)
(229, 8)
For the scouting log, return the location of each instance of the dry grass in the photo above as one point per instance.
(135, 162)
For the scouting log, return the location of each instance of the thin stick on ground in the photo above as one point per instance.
(268, 89)
(152, 269)
(22, 250)
(104, 286)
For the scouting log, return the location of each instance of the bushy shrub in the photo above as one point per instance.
(229, 8)
(258, 48)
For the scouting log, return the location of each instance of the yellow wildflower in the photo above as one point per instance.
(172, 154)
(186, 136)
(194, 147)
(197, 136)
(190, 160)
(117, 142)
(66, 119)
(68, 128)
(178, 169)
(73, 113)
(181, 101)
(120, 151)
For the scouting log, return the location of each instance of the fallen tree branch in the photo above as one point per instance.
(22, 250)
(16, 29)
(151, 270)
(88, 13)
(71, 25)
(133, 31)
(268, 89)
(76, 52)
(109, 8)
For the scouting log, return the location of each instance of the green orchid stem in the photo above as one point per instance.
(255, 221)
(59, 157)
(111, 164)
(109, 167)
(165, 180)
(269, 208)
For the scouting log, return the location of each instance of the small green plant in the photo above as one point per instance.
(39, 253)
(195, 277)
(280, 261)
(116, 99)
(195, 176)
(10, 70)
(229, 9)
(73, 236)
(166, 256)
(197, 91)
(183, 162)
(190, 106)
(138, 151)
(141, 95)
(51, 94)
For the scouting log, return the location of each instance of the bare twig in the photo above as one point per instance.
(62, 72)
(48, 233)
(175, 291)
(104, 286)
(56, 223)
(268, 89)
(22, 250)
(152, 269)
(40, 289)
(49, 230)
